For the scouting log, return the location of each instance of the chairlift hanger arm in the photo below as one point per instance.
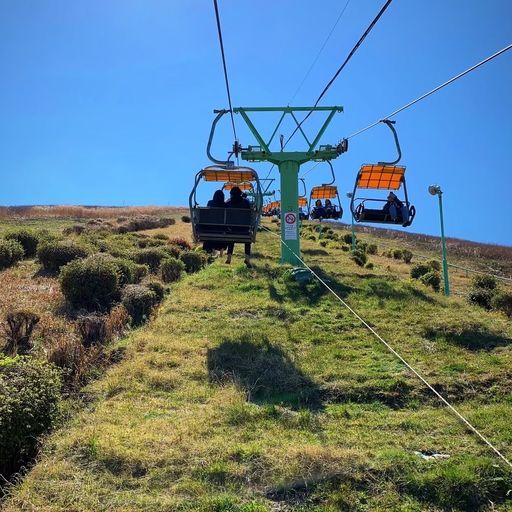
(225, 163)
(390, 125)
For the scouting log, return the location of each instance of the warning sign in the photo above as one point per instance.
(290, 226)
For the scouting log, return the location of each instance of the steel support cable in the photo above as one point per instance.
(217, 17)
(429, 93)
(345, 62)
(313, 65)
(396, 354)
(320, 51)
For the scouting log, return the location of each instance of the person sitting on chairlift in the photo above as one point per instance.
(395, 208)
(217, 201)
(329, 209)
(318, 211)
(238, 201)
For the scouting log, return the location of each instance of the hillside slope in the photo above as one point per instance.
(249, 392)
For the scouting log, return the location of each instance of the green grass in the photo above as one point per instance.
(251, 393)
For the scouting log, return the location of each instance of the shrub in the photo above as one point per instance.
(502, 301)
(117, 321)
(372, 249)
(485, 281)
(173, 251)
(158, 289)
(161, 236)
(53, 254)
(145, 222)
(397, 254)
(143, 243)
(407, 255)
(76, 229)
(369, 265)
(130, 272)
(347, 238)
(362, 246)
(432, 279)
(27, 239)
(434, 265)
(323, 243)
(345, 248)
(171, 270)
(92, 329)
(183, 244)
(419, 270)
(18, 329)
(92, 284)
(480, 297)
(138, 301)
(29, 397)
(75, 361)
(185, 218)
(193, 261)
(10, 253)
(151, 257)
(359, 257)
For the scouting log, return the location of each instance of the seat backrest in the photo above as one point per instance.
(224, 216)
(239, 216)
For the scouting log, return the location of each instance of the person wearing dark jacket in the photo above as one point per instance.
(236, 200)
(395, 208)
(217, 201)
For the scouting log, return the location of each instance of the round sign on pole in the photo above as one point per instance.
(290, 226)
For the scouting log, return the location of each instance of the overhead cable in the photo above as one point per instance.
(217, 16)
(320, 51)
(345, 62)
(429, 93)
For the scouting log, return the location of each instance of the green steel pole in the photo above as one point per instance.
(353, 235)
(289, 171)
(443, 243)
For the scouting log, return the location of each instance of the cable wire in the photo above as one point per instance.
(395, 353)
(345, 62)
(217, 17)
(320, 51)
(429, 93)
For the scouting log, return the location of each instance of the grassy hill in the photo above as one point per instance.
(250, 392)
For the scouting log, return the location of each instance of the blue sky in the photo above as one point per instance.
(110, 102)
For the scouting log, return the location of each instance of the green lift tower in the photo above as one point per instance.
(289, 163)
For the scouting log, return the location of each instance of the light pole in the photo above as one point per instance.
(349, 195)
(435, 190)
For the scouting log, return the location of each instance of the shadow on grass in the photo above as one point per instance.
(342, 290)
(472, 337)
(385, 290)
(315, 252)
(263, 370)
(306, 293)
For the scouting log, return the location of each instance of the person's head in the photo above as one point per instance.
(391, 197)
(218, 196)
(318, 203)
(328, 202)
(235, 193)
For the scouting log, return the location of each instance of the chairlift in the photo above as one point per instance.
(383, 176)
(221, 223)
(327, 191)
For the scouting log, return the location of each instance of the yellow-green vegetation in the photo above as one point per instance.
(252, 392)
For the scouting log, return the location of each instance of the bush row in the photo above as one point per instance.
(486, 293)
